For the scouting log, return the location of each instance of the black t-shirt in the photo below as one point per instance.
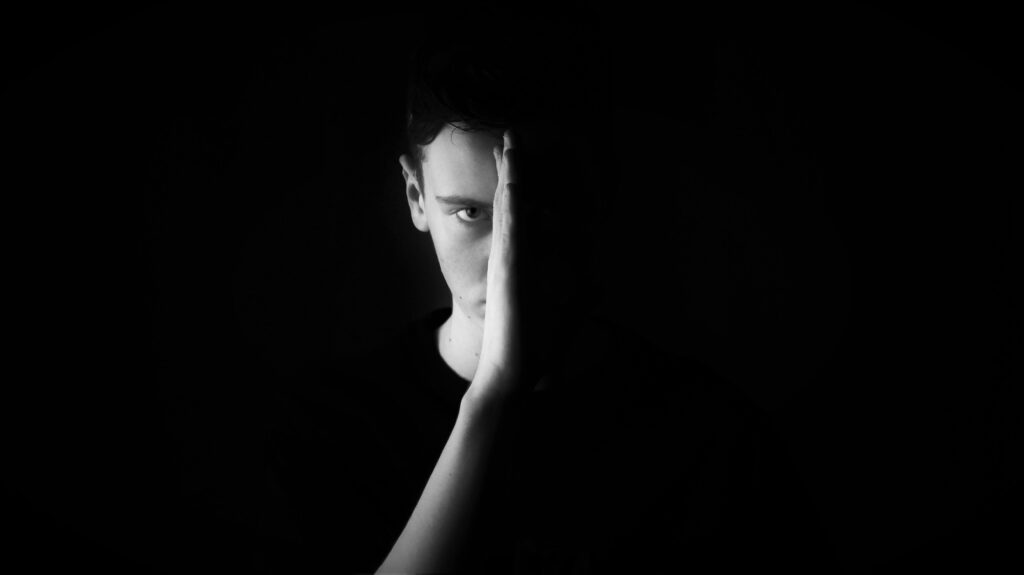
(628, 461)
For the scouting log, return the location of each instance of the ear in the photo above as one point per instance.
(413, 194)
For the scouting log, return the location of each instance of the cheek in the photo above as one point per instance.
(463, 259)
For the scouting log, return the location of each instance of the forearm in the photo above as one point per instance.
(433, 538)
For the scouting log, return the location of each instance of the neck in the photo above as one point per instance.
(458, 340)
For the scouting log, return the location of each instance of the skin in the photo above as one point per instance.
(433, 539)
(457, 205)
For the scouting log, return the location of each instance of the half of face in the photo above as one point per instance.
(459, 178)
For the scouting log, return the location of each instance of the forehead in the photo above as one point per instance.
(461, 162)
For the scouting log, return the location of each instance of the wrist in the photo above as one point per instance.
(484, 399)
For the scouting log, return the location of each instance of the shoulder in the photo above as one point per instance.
(675, 409)
(671, 400)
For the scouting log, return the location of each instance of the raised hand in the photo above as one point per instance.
(499, 370)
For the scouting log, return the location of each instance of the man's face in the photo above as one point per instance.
(459, 180)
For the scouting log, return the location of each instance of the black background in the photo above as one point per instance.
(200, 205)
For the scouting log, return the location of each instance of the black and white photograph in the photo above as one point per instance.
(510, 288)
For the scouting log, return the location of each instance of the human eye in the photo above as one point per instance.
(471, 215)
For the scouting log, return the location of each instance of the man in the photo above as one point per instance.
(461, 100)
(516, 293)
(515, 432)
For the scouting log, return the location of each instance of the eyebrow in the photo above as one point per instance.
(464, 201)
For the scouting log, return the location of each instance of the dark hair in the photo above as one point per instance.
(502, 74)
(513, 73)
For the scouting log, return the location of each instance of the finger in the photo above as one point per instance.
(510, 178)
(498, 210)
(508, 223)
(510, 172)
(508, 155)
(501, 240)
(497, 151)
